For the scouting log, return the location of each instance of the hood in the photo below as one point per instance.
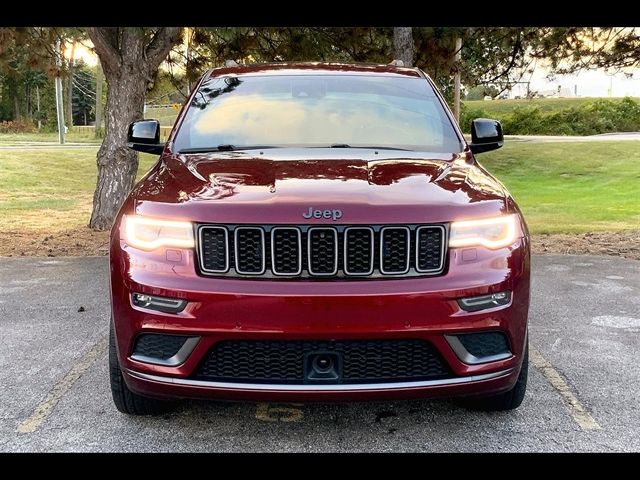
(279, 186)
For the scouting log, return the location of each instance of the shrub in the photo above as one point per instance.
(17, 126)
(599, 116)
(524, 120)
(468, 114)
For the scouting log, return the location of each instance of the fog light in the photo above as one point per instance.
(160, 304)
(473, 304)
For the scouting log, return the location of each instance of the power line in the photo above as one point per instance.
(88, 74)
(83, 89)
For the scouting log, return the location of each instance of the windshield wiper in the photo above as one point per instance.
(225, 147)
(370, 147)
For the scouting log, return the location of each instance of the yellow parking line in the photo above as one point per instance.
(577, 411)
(44, 408)
(266, 412)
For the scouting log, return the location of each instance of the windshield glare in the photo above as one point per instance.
(317, 111)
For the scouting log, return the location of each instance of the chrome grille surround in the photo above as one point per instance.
(266, 267)
(201, 244)
(236, 243)
(273, 251)
(311, 251)
(399, 257)
(417, 250)
(372, 254)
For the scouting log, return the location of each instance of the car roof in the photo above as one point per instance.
(313, 68)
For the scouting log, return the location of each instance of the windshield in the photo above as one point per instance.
(338, 111)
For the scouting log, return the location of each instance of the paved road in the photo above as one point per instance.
(583, 394)
(603, 137)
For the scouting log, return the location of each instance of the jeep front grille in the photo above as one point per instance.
(317, 252)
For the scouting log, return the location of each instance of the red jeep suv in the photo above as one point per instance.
(316, 232)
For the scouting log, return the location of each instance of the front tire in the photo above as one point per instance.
(125, 400)
(506, 400)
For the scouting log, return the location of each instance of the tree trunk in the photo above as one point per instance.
(403, 45)
(69, 106)
(27, 100)
(99, 81)
(129, 58)
(38, 107)
(16, 105)
(117, 164)
(68, 101)
(457, 57)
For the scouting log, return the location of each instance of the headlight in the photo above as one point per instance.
(492, 233)
(148, 233)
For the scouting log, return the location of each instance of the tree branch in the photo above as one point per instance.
(160, 46)
(514, 56)
(107, 51)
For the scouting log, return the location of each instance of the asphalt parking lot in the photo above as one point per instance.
(584, 381)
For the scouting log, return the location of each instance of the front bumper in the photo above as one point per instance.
(238, 309)
(171, 387)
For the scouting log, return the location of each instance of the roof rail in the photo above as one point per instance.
(397, 63)
(231, 63)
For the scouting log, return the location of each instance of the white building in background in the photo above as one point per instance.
(588, 83)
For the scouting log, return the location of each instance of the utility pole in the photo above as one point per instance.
(38, 107)
(610, 85)
(59, 106)
(99, 80)
(456, 79)
(187, 39)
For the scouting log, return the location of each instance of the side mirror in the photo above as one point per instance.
(486, 135)
(144, 136)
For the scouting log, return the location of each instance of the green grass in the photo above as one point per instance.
(572, 187)
(166, 115)
(498, 107)
(49, 190)
(71, 137)
(561, 187)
